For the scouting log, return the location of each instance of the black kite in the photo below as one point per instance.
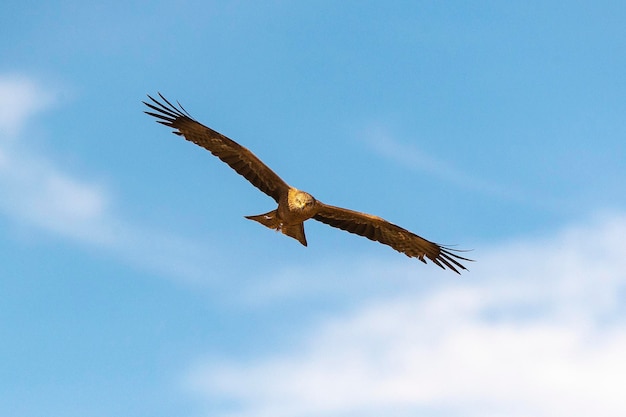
(295, 206)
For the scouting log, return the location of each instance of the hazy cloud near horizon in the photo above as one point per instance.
(537, 329)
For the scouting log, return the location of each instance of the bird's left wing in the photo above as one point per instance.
(380, 230)
(236, 156)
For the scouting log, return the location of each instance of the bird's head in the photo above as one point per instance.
(300, 200)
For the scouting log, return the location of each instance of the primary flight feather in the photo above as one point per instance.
(295, 206)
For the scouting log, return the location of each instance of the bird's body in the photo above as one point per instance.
(295, 206)
(293, 210)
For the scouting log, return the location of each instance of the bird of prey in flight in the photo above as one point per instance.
(295, 206)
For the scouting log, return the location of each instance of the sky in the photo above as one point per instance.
(131, 284)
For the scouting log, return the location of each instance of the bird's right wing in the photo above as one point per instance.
(380, 230)
(236, 156)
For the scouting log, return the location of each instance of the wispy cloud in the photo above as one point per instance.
(411, 157)
(20, 99)
(38, 193)
(537, 328)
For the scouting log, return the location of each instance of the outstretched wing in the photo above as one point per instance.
(236, 156)
(380, 230)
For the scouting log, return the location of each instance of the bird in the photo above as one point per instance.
(296, 206)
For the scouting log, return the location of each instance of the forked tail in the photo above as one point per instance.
(271, 220)
(268, 219)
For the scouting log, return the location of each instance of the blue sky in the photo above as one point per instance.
(131, 284)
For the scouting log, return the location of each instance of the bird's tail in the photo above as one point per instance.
(271, 220)
(295, 231)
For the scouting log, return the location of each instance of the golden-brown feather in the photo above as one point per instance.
(380, 230)
(236, 156)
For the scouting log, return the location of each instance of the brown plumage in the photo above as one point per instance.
(295, 206)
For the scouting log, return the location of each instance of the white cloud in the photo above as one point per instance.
(536, 329)
(411, 157)
(37, 193)
(34, 189)
(20, 98)
(415, 159)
